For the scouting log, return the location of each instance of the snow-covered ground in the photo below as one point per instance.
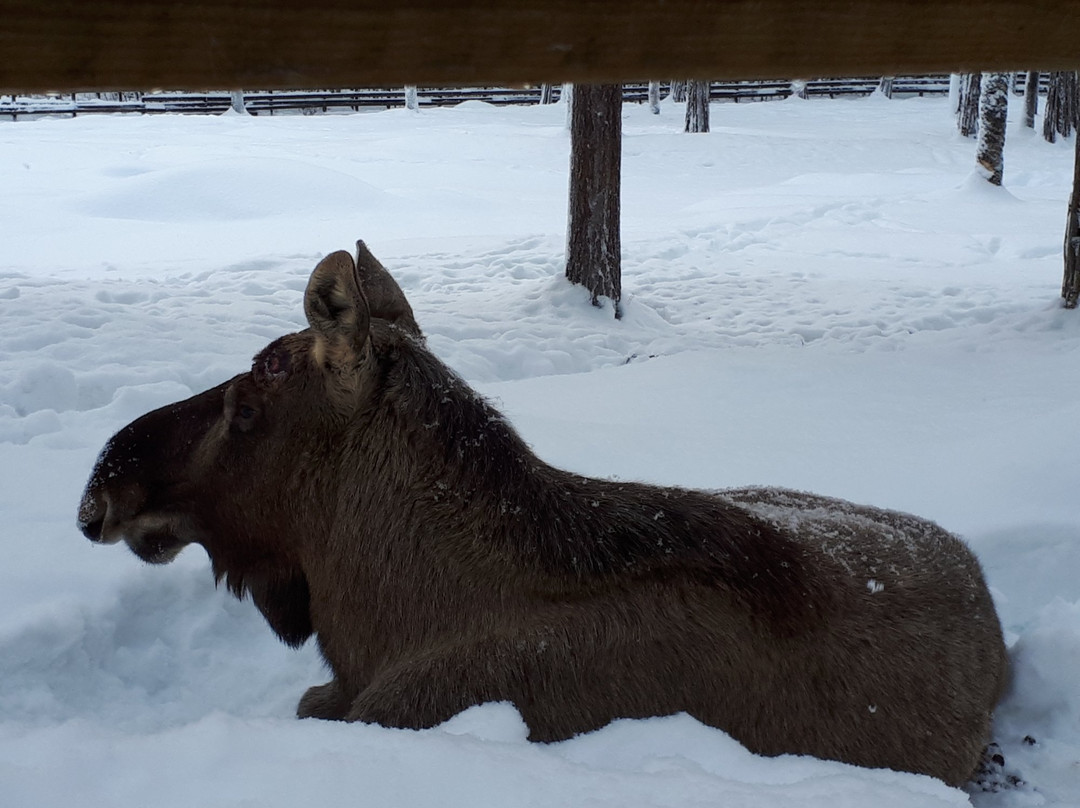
(818, 294)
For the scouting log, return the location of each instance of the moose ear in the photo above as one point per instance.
(384, 296)
(334, 305)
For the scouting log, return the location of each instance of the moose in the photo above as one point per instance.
(359, 491)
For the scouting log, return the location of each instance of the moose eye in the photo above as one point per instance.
(245, 417)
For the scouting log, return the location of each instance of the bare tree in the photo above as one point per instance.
(1062, 102)
(885, 86)
(967, 112)
(1031, 98)
(1070, 287)
(236, 101)
(593, 243)
(547, 95)
(993, 110)
(654, 97)
(678, 91)
(697, 107)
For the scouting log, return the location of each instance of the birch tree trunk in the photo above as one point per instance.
(654, 97)
(593, 240)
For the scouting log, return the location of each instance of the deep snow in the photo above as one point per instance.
(822, 295)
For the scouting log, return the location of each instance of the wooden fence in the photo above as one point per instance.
(319, 101)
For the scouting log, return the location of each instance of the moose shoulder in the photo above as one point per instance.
(360, 491)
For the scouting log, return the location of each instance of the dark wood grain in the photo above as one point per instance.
(137, 44)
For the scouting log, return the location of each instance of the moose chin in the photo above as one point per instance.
(359, 491)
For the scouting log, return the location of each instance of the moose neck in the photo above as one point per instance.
(447, 436)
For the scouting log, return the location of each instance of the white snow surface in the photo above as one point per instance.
(819, 294)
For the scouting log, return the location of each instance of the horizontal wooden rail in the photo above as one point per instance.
(314, 101)
(145, 44)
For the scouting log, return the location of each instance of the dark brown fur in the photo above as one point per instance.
(360, 491)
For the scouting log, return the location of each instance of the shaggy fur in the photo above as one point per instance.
(360, 491)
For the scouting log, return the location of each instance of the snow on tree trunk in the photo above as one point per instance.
(954, 92)
(678, 91)
(593, 244)
(568, 96)
(993, 109)
(967, 113)
(1070, 287)
(1062, 102)
(885, 86)
(1031, 98)
(654, 97)
(411, 101)
(236, 101)
(798, 88)
(697, 107)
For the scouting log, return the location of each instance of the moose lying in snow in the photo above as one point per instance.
(360, 491)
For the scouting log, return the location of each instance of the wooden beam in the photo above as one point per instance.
(260, 44)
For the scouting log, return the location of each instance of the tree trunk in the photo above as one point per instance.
(1070, 288)
(411, 101)
(654, 97)
(697, 107)
(593, 240)
(798, 88)
(1031, 98)
(955, 80)
(546, 94)
(993, 110)
(236, 100)
(1060, 113)
(678, 91)
(885, 86)
(967, 115)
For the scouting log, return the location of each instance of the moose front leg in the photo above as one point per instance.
(329, 702)
(555, 677)
(428, 689)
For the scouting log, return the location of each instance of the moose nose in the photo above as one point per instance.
(91, 516)
(93, 511)
(92, 529)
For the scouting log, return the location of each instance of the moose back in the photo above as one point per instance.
(359, 491)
